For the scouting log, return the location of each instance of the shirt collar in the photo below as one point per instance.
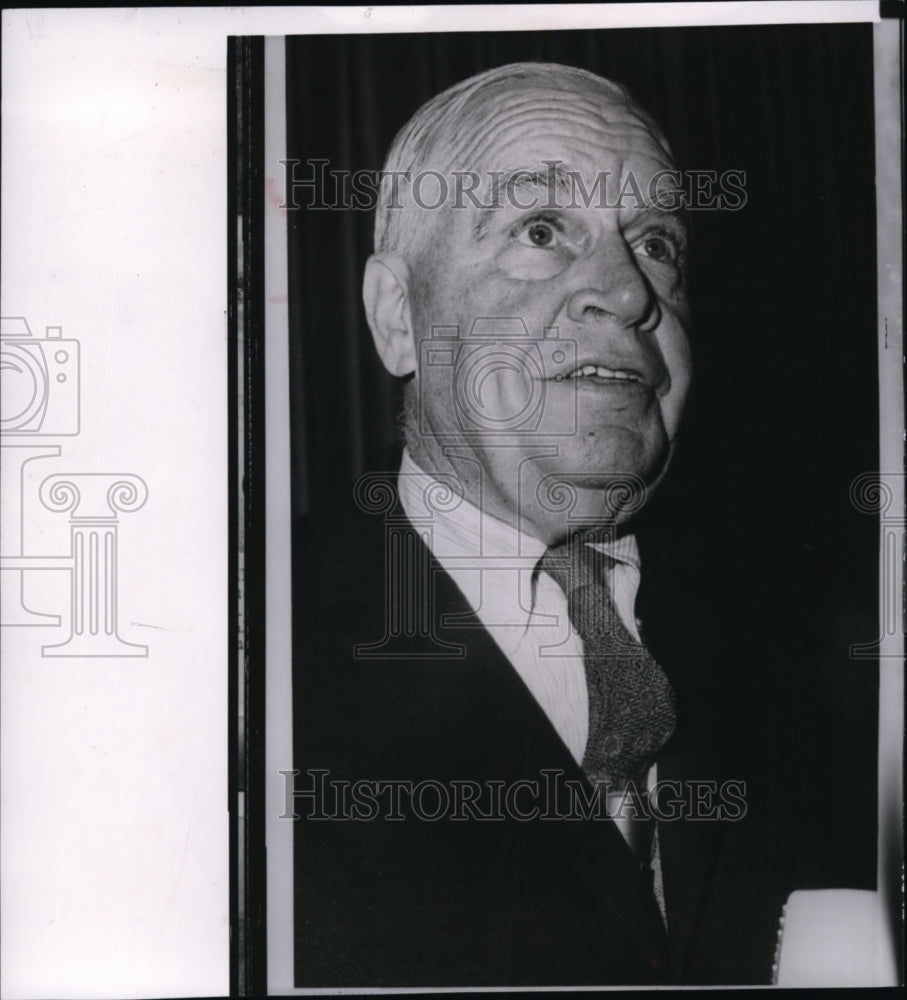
(460, 529)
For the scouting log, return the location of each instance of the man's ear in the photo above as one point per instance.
(385, 292)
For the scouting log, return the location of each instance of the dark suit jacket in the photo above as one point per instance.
(473, 902)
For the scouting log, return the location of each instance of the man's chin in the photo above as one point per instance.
(607, 485)
(601, 471)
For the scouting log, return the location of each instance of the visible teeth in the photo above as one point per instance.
(603, 372)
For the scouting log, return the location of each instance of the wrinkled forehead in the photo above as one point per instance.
(589, 123)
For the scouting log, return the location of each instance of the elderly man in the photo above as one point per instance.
(500, 780)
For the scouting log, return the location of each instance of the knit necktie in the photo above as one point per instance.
(631, 703)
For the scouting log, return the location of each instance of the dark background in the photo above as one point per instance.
(755, 515)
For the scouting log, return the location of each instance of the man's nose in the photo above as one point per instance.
(614, 291)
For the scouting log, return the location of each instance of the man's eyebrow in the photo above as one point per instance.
(555, 179)
(676, 218)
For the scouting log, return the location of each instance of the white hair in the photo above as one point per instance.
(427, 137)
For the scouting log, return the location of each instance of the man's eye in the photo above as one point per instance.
(539, 233)
(660, 247)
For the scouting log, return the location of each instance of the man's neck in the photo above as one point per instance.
(536, 504)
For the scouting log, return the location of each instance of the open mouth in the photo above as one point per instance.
(601, 374)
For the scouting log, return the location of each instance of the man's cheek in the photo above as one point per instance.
(510, 389)
(494, 297)
(496, 385)
(674, 347)
(434, 396)
(525, 264)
